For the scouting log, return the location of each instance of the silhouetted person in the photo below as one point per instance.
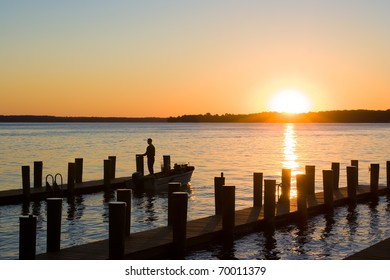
(150, 153)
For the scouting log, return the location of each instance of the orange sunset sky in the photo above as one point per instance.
(169, 58)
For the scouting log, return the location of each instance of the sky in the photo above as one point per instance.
(153, 58)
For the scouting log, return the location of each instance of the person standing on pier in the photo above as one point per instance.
(150, 153)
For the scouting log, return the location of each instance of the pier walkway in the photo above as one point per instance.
(157, 243)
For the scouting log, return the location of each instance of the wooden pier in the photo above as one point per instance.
(157, 243)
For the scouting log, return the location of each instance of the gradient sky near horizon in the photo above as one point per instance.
(169, 58)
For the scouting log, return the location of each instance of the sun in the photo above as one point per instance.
(290, 101)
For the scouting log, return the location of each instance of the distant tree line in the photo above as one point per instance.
(28, 118)
(340, 116)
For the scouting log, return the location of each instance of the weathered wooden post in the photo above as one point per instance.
(107, 173)
(112, 166)
(116, 227)
(374, 179)
(257, 189)
(27, 237)
(219, 182)
(54, 214)
(336, 174)
(310, 171)
(179, 224)
(71, 177)
(38, 169)
(167, 163)
(140, 164)
(228, 212)
(286, 184)
(79, 170)
(355, 163)
(388, 175)
(124, 195)
(351, 184)
(327, 177)
(26, 181)
(172, 187)
(302, 197)
(269, 203)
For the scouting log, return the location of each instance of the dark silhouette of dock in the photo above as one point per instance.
(157, 243)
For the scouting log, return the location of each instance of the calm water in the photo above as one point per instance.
(238, 150)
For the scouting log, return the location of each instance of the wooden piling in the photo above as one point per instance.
(112, 166)
(140, 164)
(286, 184)
(38, 169)
(26, 181)
(310, 171)
(228, 212)
(107, 173)
(71, 177)
(54, 214)
(27, 237)
(302, 197)
(179, 224)
(269, 202)
(167, 163)
(79, 170)
(172, 187)
(257, 189)
(388, 175)
(336, 174)
(124, 195)
(327, 177)
(116, 234)
(218, 183)
(352, 184)
(355, 163)
(374, 179)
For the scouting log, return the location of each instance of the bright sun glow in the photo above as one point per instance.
(290, 101)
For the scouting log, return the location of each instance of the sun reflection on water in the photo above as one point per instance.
(290, 157)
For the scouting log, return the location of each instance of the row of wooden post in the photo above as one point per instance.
(119, 224)
(120, 211)
(75, 175)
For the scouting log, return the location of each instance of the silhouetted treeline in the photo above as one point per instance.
(345, 116)
(75, 119)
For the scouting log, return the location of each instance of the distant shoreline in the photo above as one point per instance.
(337, 116)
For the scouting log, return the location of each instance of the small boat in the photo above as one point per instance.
(181, 173)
